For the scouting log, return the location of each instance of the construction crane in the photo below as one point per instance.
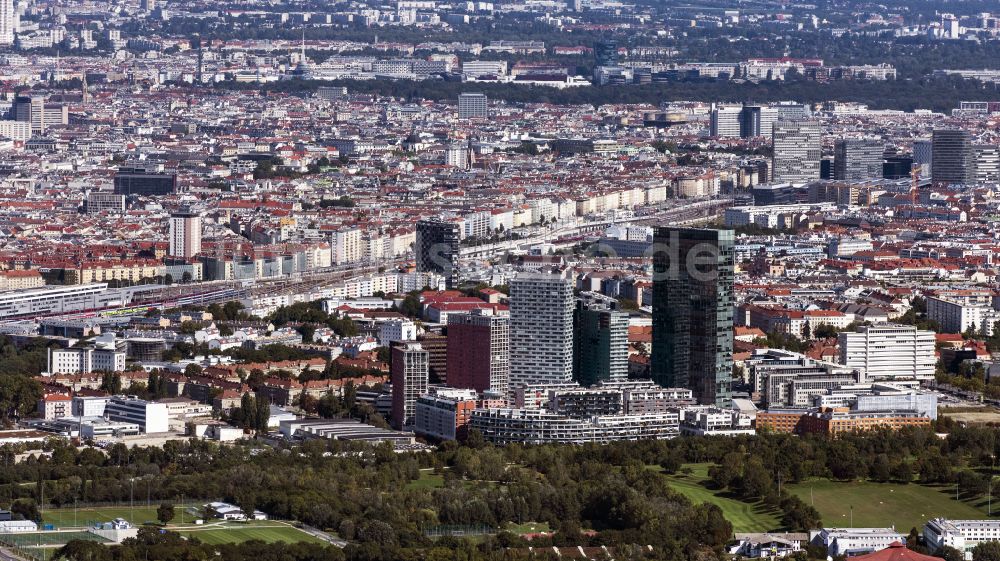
(914, 185)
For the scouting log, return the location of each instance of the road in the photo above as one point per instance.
(695, 211)
(6, 554)
(332, 540)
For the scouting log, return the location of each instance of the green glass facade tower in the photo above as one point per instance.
(600, 340)
(693, 306)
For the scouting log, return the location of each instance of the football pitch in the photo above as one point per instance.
(235, 532)
(68, 517)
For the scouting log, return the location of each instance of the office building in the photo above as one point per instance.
(437, 248)
(472, 106)
(85, 406)
(392, 330)
(725, 121)
(185, 234)
(923, 156)
(750, 122)
(787, 379)
(880, 396)
(437, 356)
(8, 22)
(150, 416)
(36, 110)
(693, 312)
(858, 159)
(408, 374)
(952, 159)
(887, 351)
(987, 163)
(541, 329)
(144, 181)
(756, 120)
(477, 68)
(15, 130)
(103, 201)
(963, 535)
(479, 352)
(797, 150)
(897, 167)
(84, 360)
(606, 53)
(855, 541)
(600, 343)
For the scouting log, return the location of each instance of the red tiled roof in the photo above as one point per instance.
(895, 552)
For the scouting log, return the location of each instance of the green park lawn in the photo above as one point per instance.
(745, 517)
(427, 480)
(874, 504)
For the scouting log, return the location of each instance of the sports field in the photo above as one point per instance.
(84, 517)
(745, 517)
(528, 528)
(885, 504)
(264, 531)
(48, 538)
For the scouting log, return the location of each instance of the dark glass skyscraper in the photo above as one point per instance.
(693, 275)
(600, 340)
(606, 53)
(140, 181)
(951, 156)
(437, 248)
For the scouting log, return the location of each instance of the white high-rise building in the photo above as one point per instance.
(408, 371)
(888, 351)
(541, 329)
(725, 121)
(457, 156)
(185, 234)
(473, 106)
(347, 246)
(987, 163)
(8, 22)
(396, 330)
(797, 150)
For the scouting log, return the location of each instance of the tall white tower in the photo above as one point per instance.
(8, 22)
(541, 330)
(185, 234)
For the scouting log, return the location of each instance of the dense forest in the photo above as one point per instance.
(937, 94)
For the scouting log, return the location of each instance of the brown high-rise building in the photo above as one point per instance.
(479, 352)
(437, 356)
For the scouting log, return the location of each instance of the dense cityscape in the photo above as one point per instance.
(539, 279)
